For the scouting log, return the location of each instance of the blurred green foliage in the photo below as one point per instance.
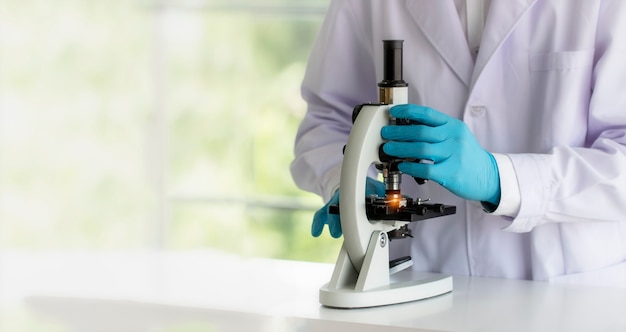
(74, 98)
(116, 114)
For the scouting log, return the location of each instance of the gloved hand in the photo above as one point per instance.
(460, 164)
(323, 217)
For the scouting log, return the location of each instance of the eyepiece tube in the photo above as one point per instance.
(392, 64)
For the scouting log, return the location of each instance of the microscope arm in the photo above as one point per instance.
(358, 157)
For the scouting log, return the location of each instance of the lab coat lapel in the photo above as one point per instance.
(502, 18)
(439, 21)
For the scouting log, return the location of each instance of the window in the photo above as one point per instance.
(155, 124)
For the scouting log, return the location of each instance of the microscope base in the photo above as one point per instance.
(404, 286)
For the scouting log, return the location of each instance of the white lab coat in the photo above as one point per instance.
(547, 89)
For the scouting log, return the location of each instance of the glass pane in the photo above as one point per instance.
(130, 124)
(233, 83)
(75, 93)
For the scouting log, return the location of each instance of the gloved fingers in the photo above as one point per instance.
(334, 225)
(421, 114)
(418, 170)
(374, 187)
(415, 133)
(436, 152)
(470, 187)
(323, 217)
(319, 220)
(431, 172)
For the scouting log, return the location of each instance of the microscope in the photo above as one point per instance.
(363, 275)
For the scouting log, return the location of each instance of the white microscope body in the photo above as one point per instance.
(363, 275)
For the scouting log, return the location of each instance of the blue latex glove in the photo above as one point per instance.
(323, 217)
(460, 164)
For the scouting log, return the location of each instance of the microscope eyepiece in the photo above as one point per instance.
(392, 64)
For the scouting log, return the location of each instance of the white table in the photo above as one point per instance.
(208, 291)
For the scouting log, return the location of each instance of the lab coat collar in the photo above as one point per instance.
(439, 21)
(502, 18)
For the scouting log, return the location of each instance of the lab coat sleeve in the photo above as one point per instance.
(584, 184)
(510, 196)
(337, 78)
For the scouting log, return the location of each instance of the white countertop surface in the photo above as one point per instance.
(212, 291)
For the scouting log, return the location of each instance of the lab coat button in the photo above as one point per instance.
(477, 110)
